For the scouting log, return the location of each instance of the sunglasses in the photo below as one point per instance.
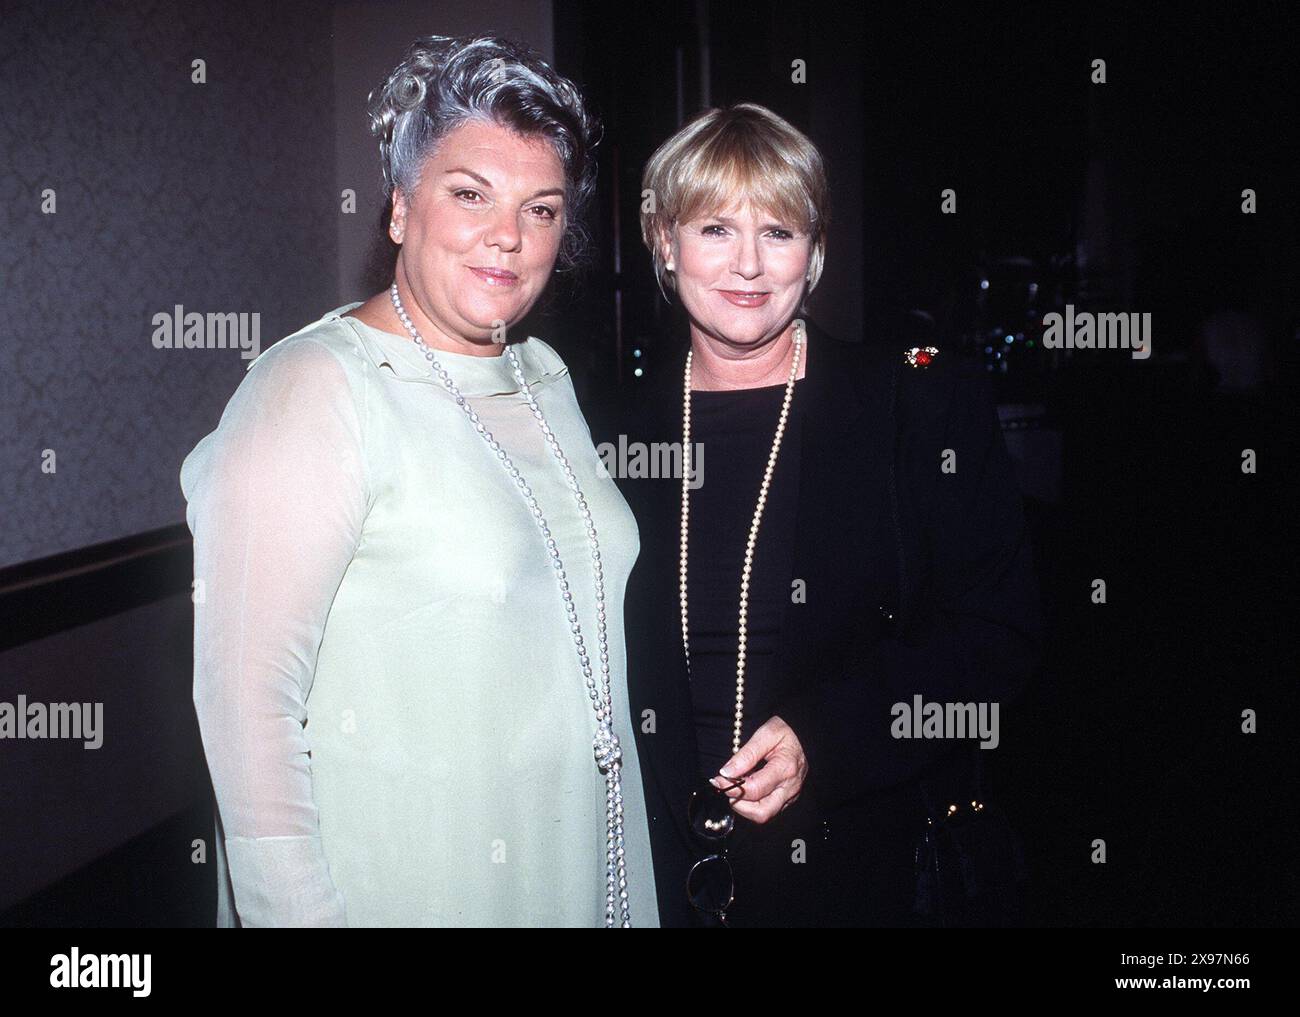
(710, 885)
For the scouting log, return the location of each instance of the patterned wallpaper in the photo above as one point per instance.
(218, 197)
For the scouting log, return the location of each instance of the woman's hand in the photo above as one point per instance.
(769, 789)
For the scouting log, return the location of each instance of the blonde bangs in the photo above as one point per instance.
(736, 170)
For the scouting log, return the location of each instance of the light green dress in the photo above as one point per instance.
(391, 705)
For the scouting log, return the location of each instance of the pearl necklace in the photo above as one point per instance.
(753, 529)
(609, 755)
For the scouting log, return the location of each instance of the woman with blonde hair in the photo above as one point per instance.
(409, 663)
(823, 568)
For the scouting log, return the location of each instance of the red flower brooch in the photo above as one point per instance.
(920, 356)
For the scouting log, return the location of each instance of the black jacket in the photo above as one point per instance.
(919, 585)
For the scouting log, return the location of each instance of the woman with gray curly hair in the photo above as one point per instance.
(409, 661)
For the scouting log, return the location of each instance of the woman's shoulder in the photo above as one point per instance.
(935, 375)
(308, 375)
(544, 355)
(313, 347)
(924, 382)
(302, 384)
(541, 364)
(942, 392)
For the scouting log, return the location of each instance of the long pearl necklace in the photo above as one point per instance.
(753, 529)
(609, 755)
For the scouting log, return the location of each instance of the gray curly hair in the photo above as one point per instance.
(445, 81)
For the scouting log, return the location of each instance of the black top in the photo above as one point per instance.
(731, 436)
(918, 582)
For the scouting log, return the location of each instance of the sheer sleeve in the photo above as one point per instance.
(276, 497)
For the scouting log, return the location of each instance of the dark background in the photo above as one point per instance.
(1124, 196)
